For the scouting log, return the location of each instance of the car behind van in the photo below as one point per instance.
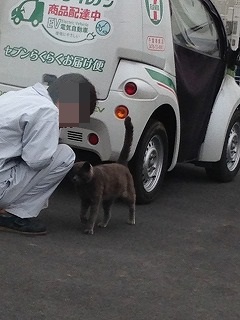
(164, 63)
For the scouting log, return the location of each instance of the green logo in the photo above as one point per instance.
(66, 21)
(30, 11)
(154, 10)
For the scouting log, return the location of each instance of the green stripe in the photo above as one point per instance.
(161, 78)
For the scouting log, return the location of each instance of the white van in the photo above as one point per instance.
(163, 62)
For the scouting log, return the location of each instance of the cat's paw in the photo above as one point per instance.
(132, 222)
(88, 231)
(102, 225)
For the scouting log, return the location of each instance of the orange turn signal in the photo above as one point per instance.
(121, 112)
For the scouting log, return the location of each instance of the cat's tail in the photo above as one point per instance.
(123, 158)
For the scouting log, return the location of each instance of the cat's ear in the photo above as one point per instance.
(87, 166)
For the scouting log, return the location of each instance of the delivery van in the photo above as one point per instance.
(163, 62)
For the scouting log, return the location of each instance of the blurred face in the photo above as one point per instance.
(74, 105)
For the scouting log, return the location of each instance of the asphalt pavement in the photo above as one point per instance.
(181, 261)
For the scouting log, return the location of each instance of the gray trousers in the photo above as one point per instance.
(27, 191)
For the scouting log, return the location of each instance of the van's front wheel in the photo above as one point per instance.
(149, 163)
(228, 166)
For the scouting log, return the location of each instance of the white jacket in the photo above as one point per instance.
(29, 128)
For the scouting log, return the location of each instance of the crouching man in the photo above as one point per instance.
(32, 162)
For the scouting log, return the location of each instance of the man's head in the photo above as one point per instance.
(78, 87)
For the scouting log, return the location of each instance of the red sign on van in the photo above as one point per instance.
(155, 43)
(154, 10)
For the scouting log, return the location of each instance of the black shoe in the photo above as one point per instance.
(25, 226)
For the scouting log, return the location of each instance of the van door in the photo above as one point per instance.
(200, 55)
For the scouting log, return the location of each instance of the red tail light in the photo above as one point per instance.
(93, 139)
(130, 88)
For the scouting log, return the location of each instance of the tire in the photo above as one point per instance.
(35, 23)
(227, 167)
(150, 161)
(17, 20)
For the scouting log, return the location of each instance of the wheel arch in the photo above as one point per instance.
(166, 115)
(211, 150)
(227, 103)
(228, 166)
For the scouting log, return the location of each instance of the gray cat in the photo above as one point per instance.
(104, 183)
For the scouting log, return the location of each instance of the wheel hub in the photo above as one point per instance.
(152, 166)
(233, 147)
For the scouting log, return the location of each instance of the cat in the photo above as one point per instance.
(104, 183)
